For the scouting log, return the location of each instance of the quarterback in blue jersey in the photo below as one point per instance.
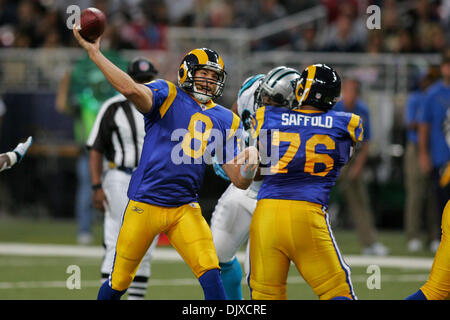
(184, 129)
(308, 147)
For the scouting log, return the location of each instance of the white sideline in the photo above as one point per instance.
(194, 282)
(169, 254)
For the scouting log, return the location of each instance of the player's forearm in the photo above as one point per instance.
(4, 162)
(233, 171)
(140, 95)
(119, 79)
(363, 154)
(422, 138)
(242, 169)
(7, 160)
(95, 166)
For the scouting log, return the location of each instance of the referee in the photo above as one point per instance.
(115, 145)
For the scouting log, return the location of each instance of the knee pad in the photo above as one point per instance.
(207, 260)
(261, 291)
(335, 287)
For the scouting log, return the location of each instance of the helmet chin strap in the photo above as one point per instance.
(202, 97)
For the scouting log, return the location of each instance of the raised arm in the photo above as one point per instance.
(140, 95)
(96, 168)
(9, 159)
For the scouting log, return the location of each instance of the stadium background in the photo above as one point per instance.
(36, 49)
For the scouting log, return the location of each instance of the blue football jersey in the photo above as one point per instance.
(310, 148)
(182, 135)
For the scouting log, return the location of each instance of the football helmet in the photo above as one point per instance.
(194, 60)
(279, 85)
(319, 86)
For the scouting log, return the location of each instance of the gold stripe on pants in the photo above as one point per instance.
(438, 285)
(185, 227)
(282, 231)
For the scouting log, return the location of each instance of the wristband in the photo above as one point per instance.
(96, 186)
(12, 158)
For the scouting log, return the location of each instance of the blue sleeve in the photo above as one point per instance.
(231, 142)
(411, 109)
(160, 90)
(233, 139)
(424, 114)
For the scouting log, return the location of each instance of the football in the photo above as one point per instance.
(93, 23)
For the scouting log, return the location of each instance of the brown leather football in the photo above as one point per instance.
(93, 23)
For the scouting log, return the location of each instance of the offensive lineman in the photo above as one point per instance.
(290, 222)
(437, 286)
(230, 220)
(117, 136)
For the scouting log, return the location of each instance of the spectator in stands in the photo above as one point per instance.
(150, 28)
(351, 183)
(305, 39)
(375, 42)
(391, 25)
(404, 42)
(341, 36)
(434, 149)
(437, 38)
(220, 15)
(266, 11)
(294, 6)
(7, 12)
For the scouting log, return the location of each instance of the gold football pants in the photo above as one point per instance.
(437, 286)
(185, 227)
(282, 231)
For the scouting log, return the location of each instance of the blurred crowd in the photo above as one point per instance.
(406, 26)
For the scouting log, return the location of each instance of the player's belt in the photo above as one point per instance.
(128, 170)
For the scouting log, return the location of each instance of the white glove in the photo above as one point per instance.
(22, 148)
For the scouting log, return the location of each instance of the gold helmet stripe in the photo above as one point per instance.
(201, 55)
(220, 62)
(311, 73)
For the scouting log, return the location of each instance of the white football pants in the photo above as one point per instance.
(230, 223)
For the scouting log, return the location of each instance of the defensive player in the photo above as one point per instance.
(184, 127)
(9, 159)
(291, 222)
(437, 286)
(231, 217)
(116, 138)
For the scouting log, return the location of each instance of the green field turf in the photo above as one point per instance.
(44, 278)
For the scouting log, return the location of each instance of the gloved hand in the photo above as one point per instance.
(22, 148)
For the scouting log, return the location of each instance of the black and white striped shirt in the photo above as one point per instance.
(118, 132)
